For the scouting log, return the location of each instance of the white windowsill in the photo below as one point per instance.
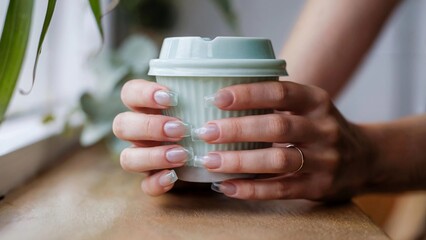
(23, 131)
(27, 145)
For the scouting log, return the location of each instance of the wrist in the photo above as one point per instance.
(376, 139)
(397, 162)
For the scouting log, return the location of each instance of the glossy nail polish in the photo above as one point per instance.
(168, 178)
(223, 98)
(216, 187)
(224, 187)
(210, 161)
(166, 98)
(176, 129)
(208, 132)
(179, 155)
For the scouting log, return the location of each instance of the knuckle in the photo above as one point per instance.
(334, 135)
(150, 130)
(283, 191)
(279, 160)
(236, 164)
(281, 92)
(235, 130)
(322, 96)
(148, 127)
(334, 160)
(333, 132)
(279, 125)
(324, 100)
(251, 192)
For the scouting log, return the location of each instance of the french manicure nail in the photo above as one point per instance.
(179, 155)
(210, 161)
(166, 98)
(176, 129)
(207, 133)
(168, 178)
(223, 98)
(225, 188)
(216, 187)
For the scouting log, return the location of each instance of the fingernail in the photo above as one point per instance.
(177, 129)
(223, 98)
(166, 98)
(211, 161)
(216, 187)
(207, 133)
(225, 188)
(179, 155)
(168, 178)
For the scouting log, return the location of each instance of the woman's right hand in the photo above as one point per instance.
(146, 128)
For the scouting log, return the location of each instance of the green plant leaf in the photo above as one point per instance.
(49, 13)
(109, 70)
(115, 145)
(228, 12)
(95, 5)
(136, 52)
(100, 113)
(13, 45)
(94, 132)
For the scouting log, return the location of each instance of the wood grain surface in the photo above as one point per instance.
(88, 196)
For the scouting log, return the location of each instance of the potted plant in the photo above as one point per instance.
(114, 67)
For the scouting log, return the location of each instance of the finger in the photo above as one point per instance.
(137, 94)
(260, 128)
(131, 126)
(147, 159)
(269, 160)
(284, 96)
(291, 188)
(159, 183)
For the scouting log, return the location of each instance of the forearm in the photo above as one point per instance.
(400, 159)
(330, 39)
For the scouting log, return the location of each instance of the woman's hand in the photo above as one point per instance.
(337, 155)
(146, 128)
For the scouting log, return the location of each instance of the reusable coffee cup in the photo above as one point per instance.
(195, 69)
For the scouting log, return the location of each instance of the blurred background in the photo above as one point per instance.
(78, 83)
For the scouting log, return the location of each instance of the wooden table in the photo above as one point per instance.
(88, 196)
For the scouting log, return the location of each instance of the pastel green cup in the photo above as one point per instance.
(196, 68)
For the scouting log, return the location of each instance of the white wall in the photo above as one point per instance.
(390, 83)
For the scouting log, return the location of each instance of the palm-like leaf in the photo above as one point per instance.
(14, 39)
(13, 44)
(49, 13)
(95, 5)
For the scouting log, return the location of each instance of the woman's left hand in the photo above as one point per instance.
(337, 156)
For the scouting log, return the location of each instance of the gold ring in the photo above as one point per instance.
(301, 154)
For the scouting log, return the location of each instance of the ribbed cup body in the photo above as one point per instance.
(193, 110)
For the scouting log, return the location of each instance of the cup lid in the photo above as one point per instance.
(222, 56)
